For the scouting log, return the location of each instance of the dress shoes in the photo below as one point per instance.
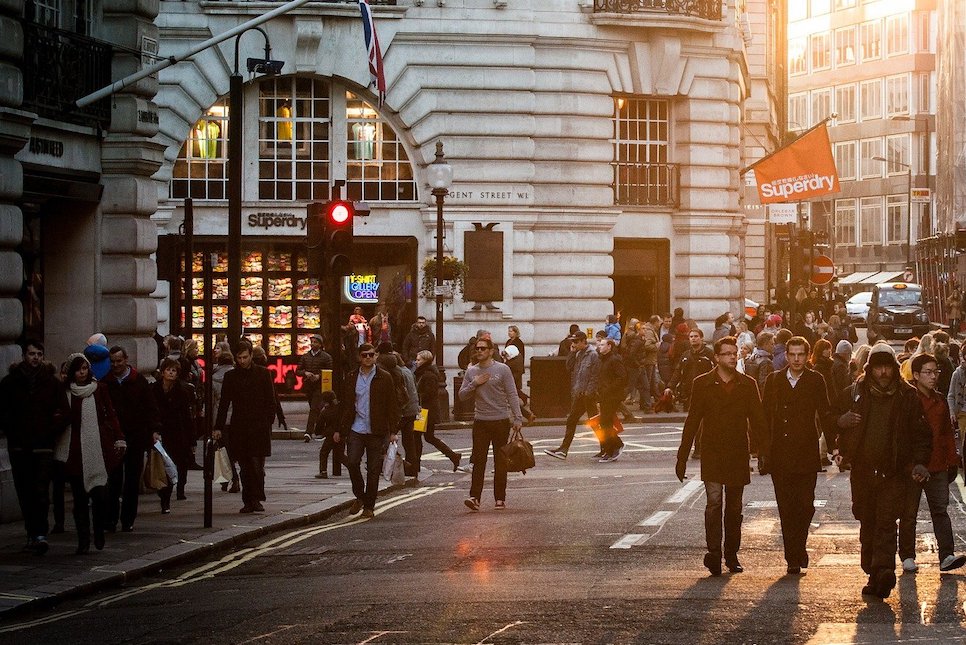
(356, 506)
(733, 565)
(713, 563)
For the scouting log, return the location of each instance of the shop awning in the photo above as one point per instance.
(882, 276)
(857, 277)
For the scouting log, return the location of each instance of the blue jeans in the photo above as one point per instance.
(374, 446)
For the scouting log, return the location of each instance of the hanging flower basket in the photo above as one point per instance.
(453, 273)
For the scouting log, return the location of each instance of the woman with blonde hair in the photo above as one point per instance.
(857, 365)
(927, 345)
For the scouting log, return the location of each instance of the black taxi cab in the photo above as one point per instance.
(897, 312)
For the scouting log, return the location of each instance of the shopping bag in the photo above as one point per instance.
(222, 466)
(398, 476)
(665, 403)
(594, 424)
(394, 450)
(518, 454)
(154, 477)
(419, 425)
(169, 468)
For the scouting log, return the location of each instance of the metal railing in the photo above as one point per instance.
(647, 184)
(60, 67)
(708, 9)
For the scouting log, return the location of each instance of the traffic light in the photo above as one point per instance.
(337, 248)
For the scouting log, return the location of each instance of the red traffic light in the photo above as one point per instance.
(340, 212)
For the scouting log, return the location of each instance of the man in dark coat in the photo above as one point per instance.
(29, 396)
(137, 412)
(420, 338)
(370, 416)
(697, 360)
(248, 391)
(794, 398)
(884, 436)
(311, 364)
(726, 407)
(611, 386)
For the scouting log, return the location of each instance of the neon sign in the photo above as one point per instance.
(361, 288)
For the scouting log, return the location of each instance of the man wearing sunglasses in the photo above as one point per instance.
(369, 419)
(496, 409)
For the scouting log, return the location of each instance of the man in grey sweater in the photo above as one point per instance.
(496, 410)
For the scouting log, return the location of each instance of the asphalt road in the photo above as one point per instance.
(585, 553)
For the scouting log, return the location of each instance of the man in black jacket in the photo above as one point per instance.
(698, 360)
(311, 364)
(419, 338)
(370, 416)
(794, 398)
(137, 413)
(248, 390)
(884, 436)
(29, 397)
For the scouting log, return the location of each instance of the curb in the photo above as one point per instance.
(218, 542)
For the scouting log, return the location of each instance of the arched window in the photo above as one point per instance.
(306, 128)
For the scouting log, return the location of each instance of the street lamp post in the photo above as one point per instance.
(908, 168)
(440, 179)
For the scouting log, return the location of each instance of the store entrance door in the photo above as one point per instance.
(641, 277)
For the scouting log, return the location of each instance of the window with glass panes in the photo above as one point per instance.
(897, 35)
(821, 7)
(897, 94)
(897, 152)
(843, 4)
(845, 46)
(845, 103)
(377, 166)
(201, 169)
(70, 15)
(924, 87)
(922, 25)
(821, 104)
(845, 221)
(870, 40)
(896, 219)
(868, 165)
(871, 99)
(797, 56)
(642, 174)
(798, 111)
(845, 159)
(821, 46)
(870, 216)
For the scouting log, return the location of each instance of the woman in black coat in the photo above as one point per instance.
(175, 400)
(427, 386)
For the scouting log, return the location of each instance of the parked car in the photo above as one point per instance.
(897, 312)
(857, 307)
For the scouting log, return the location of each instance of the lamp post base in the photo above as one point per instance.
(443, 395)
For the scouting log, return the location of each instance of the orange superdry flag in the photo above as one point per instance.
(805, 168)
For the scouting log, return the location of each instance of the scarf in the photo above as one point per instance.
(883, 392)
(92, 457)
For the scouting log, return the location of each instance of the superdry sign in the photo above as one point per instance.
(801, 170)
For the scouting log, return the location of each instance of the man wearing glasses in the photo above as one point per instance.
(726, 408)
(943, 467)
(369, 419)
(496, 409)
(797, 410)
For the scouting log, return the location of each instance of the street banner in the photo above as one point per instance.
(801, 170)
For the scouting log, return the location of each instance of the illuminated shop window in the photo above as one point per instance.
(201, 170)
(377, 166)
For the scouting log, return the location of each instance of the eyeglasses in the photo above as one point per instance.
(368, 354)
(930, 372)
(482, 348)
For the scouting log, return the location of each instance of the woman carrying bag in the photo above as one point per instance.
(175, 401)
(427, 385)
(91, 448)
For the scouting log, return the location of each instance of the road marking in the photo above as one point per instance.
(629, 540)
(818, 503)
(500, 631)
(42, 621)
(376, 635)
(656, 519)
(283, 628)
(685, 492)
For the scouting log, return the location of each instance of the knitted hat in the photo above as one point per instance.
(881, 354)
(844, 347)
(774, 319)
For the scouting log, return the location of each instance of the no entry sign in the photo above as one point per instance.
(823, 270)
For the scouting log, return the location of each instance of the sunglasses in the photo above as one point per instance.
(367, 354)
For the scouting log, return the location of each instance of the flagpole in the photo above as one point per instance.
(824, 121)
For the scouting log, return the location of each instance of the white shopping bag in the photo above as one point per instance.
(169, 468)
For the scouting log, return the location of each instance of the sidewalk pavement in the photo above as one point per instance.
(295, 498)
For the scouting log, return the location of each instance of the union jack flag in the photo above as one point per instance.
(376, 75)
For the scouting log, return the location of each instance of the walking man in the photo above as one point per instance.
(943, 467)
(583, 365)
(883, 435)
(699, 359)
(137, 413)
(496, 410)
(29, 397)
(726, 407)
(248, 391)
(612, 384)
(370, 417)
(310, 369)
(796, 411)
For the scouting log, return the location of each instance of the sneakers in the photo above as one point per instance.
(607, 458)
(258, 507)
(356, 507)
(39, 545)
(949, 563)
(307, 437)
(500, 505)
(472, 503)
(556, 454)
(368, 513)
(909, 565)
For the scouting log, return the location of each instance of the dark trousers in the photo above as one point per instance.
(412, 442)
(580, 406)
(336, 449)
(610, 442)
(438, 443)
(937, 496)
(723, 500)
(88, 506)
(374, 446)
(57, 483)
(876, 502)
(315, 404)
(252, 471)
(632, 382)
(31, 480)
(123, 488)
(486, 434)
(795, 494)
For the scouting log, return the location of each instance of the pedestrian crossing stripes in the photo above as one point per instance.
(818, 503)
(657, 520)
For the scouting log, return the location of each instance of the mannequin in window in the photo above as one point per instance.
(364, 135)
(284, 128)
(206, 134)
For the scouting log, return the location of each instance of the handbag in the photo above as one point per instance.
(154, 476)
(517, 454)
(419, 425)
(222, 466)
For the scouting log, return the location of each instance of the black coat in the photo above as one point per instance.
(177, 426)
(790, 443)
(251, 396)
(28, 405)
(137, 408)
(612, 378)
(427, 385)
(731, 425)
(383, 406)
